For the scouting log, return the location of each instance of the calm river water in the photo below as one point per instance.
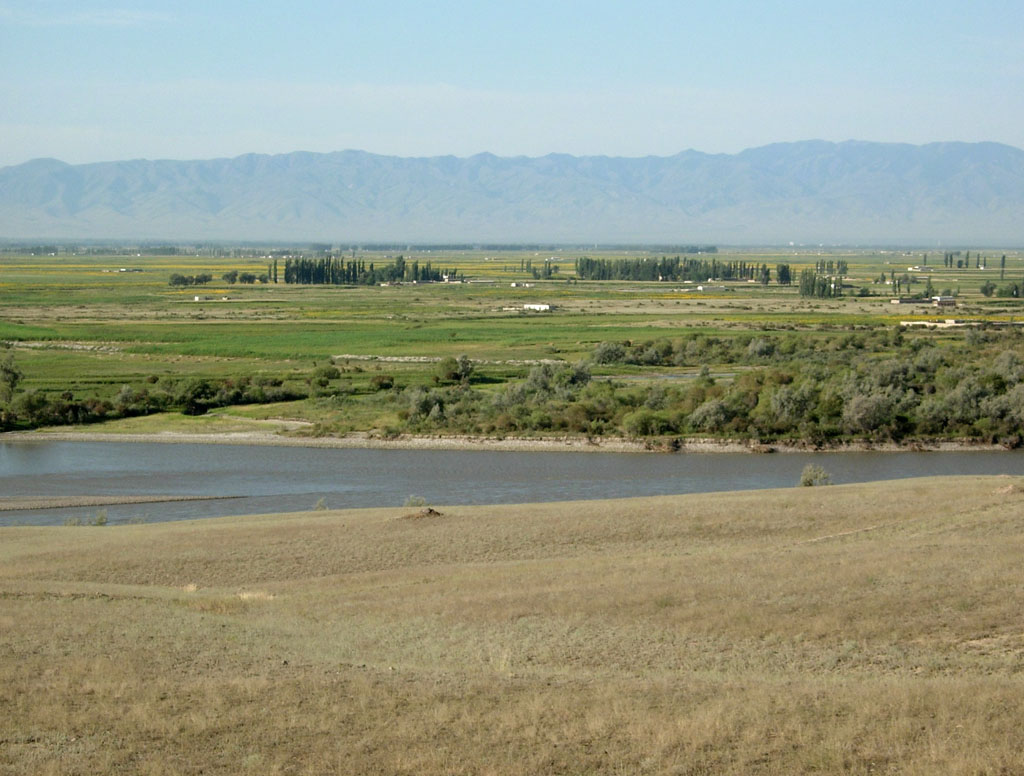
(282, 479)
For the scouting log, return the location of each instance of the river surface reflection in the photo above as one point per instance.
(260, 479)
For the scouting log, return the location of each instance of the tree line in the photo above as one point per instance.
(675, 269)
(820, 286)
(232, 277)
(357, 272)
(177, 279)
(195, 396)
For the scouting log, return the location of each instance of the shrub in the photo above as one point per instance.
(578, 374)
(448, 370)
(814, 475)
(465, 367)
(322, 375)
(609, 353)
(645, 422)
(711, 416)
(760, 348)
(868, 412)
(10, 376)
(540, 379)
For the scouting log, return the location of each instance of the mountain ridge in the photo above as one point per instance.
(803, 191)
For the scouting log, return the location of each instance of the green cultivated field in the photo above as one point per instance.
(80, 331)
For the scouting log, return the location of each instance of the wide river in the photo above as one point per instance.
(260, 479)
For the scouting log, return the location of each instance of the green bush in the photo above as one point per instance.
(814, 475)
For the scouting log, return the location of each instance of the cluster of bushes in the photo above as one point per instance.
(197, 396)
(234, 276)
(1010, 290)
(746, 349)
(552, 397)
(808, 393)
(35, 408)
(973, 390)
(32, 409)
(177, 279)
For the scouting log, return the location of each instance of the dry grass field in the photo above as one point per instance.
(857, 629)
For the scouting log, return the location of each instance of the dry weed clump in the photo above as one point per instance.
(852, 629)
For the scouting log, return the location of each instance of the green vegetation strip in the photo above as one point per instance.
(658, 361)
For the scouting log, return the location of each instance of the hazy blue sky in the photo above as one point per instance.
(89, 81)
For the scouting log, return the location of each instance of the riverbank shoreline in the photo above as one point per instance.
(575, 444)
(18, 504)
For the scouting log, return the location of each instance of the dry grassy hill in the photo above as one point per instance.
(870, 628)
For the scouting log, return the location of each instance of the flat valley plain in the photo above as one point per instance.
(860, 629)
(110, 328)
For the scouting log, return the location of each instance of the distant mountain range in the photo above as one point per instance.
(806, 192)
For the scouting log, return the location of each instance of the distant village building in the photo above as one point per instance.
(539, 308)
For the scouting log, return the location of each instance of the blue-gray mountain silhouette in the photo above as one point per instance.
(807, 192)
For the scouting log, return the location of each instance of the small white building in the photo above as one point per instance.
(537, 308)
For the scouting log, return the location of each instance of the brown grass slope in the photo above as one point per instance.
(872, 628)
